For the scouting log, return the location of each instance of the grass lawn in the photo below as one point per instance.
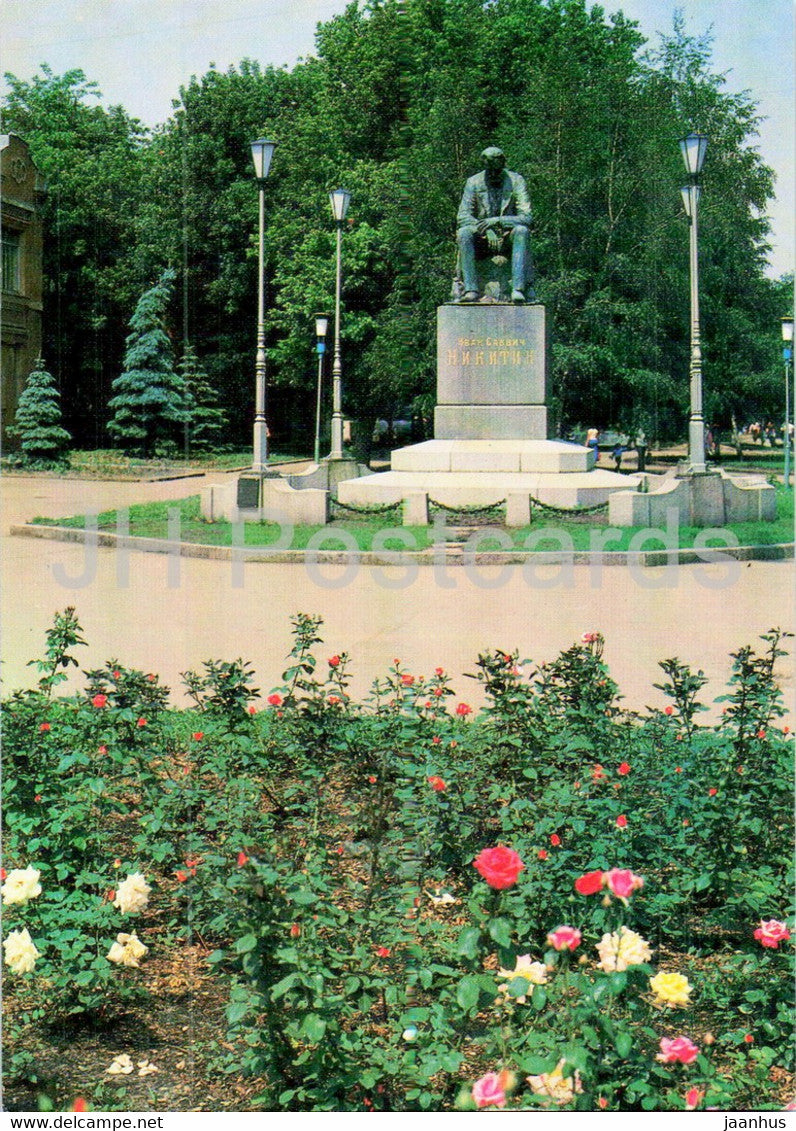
(112, 464)
(150, 520)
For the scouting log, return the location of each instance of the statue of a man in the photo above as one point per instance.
(495, 214)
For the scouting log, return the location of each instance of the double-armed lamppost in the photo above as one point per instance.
(787, 354)
(262, 152)
(321, 327)
(339, 200)
(693, 149)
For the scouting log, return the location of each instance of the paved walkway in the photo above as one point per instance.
(153, 612)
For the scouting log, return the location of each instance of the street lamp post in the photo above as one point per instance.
(262, 152)
(321, 327)
(693, 150)
(339, 200)
(787, 354)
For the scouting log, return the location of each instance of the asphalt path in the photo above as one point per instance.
(159, 613)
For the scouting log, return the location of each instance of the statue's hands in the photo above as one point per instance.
(493, 239)
(485, 225)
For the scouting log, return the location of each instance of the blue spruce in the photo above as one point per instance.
(37, 424)
(149, 404)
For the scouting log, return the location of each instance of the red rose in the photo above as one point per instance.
(621, 822)
(242, 859)
(499, 866)
(80, 1104)
(439, 691)
(372, 779)
(274, 700)
(436, 740)
(181, 876)
(623, 768)
(334, 661)
(99, 700)
(45, 727)
(542, 853)
(295, 931)
(761, 733)
(102, 749)
(141, 722)
(407, 680)
(382, 952)
(333, 700)
(117, 674)
(198, 735)
(555, 840)
(749, 1039)
(678, 769)
(668, 710)
(3, 874)
(589, 883)
(437, 783)
(712, 791)
(464, 709)
(439, 671)
(252, 710)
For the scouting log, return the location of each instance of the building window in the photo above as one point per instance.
(11, 261)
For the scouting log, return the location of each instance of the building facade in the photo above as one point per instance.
(22, 192)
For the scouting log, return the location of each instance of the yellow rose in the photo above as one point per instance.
(534, 973)
(670, 989)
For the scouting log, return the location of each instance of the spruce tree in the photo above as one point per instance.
(206, 421)
(149, 401)
(43, 442)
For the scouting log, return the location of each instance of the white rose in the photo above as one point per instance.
(132, 894)
(560, 1089)
(21, 885)
(622, 949)
(127, 950)
(20, 952)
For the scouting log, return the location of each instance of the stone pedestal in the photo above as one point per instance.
(491, 372)
(490, 427)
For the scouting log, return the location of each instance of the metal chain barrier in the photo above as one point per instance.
(475, 509)
(573, 511)
(380, 508)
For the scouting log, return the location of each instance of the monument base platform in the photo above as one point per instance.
(468, 473)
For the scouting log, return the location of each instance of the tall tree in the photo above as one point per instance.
(90, 156)
(149, 399)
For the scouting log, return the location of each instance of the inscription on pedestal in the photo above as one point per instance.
(491, 354)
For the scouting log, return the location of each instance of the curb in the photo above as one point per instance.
(449, 554)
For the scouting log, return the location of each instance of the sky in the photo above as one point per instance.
(141, 51)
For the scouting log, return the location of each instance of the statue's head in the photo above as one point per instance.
(494, 160)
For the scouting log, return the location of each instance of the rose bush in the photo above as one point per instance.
(378, 880)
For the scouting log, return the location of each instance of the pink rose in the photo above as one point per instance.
(564, 938)
(677, 1050)
(499, 866)
(622, 882)
(771, 932)
(693, 1098)
(487, 1092)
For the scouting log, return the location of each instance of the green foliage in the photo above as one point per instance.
(150, 397)
(91, 158)
(37, 424)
